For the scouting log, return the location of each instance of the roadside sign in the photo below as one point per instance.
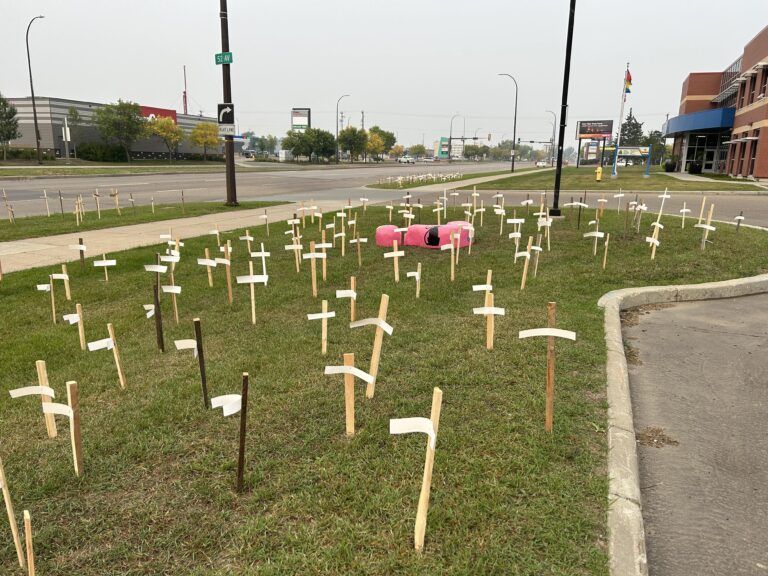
(224, 58)
(226, 129)
(226, 113)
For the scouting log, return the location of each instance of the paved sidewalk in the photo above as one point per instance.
(699, 395)
(698, 178)
(50, 250)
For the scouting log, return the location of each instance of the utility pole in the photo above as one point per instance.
(337, 125)
(32, 90)
(229, 140)
(362, 119)
(555, 210)
(185, 90)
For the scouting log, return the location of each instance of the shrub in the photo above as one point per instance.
(100, 152)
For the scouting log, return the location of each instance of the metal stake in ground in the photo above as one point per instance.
(241, 451)
(201, 361)
(158, 319)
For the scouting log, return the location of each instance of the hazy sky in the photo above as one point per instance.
(410, 65)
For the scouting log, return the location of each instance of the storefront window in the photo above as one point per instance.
(753, 154)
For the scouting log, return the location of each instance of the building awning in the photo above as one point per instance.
(704, 120)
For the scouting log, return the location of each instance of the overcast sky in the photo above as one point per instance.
(409, 64)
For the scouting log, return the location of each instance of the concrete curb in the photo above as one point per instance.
(626, 533)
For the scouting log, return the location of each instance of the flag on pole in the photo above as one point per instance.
(627, 83)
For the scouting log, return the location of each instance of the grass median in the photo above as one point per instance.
(429, 181)
(630, 178)
(157, 493)
(56, 223)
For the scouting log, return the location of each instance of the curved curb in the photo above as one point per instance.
(626, 533)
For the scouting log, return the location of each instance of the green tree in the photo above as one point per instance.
(298, 143)
(9, 125)
(168, 131)
(475, 151)
(122, 123)
(75, 123)
(353, 140)
(266, 144)
(397, 151)
(657, 142)
(321, 142)
(417, 150)
(375, 145)
(631, 131)
(387, 138)
(204, 135)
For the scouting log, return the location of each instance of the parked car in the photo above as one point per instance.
(427, 159)
(621, 162)
(406, 160)
(541, 164)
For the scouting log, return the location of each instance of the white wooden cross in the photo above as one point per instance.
(395, 255)
(324, 315)
(350, 373)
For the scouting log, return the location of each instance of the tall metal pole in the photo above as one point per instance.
(229, 141)
(450, 138)
(337, 126)
(552, 148)
(514, 125)
(555, 210)
(32, 90)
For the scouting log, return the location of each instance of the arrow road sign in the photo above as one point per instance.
(226, 113)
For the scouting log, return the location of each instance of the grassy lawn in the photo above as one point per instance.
(38, 226)
(157, 494)
(396, 186)
(630, 178)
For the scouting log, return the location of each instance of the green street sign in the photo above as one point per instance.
(224, 58)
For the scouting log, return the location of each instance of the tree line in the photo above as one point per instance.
(356, 143)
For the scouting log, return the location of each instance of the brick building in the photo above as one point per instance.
(722, 116)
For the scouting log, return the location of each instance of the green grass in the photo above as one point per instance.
(157, 495)
(396, 186)
(39, 226)
(630, 178)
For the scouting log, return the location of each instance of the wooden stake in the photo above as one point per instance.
(42, 379)
(74, 427)
(482, 211)
(349, 396)
(324, 260)
(684, 212)
(82, 253)
(296, 255)
(377, 342)
(98, 203)
(183, 204)
(453, 260)
(228, 267)
(426, 482)
(418, 279)
(527, 261)
(704, 236)
(53, 299)
(28, 540)
(550, 407)
(106, 269)
(605, 251)
(158, 319)
(67, 292)
(489, 322)
(47, 208)
(396, 260)
(324, 329)
(701, 211)
(201, 361)
(116, 353)
(243, 416)
(208, 268)
(313, 268)
(80, 325)
(173, 301)
(359, 250)
(11, 515)
(536, 257)
(152, 201)
(252, 290)
(352, 301)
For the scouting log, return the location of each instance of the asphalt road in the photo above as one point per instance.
(288, 185)
(699, 404)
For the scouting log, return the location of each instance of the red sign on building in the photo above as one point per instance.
(152, 112)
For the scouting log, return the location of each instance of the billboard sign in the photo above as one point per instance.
(301, 119)
(150, 113)
(594, 130)
(633, 151)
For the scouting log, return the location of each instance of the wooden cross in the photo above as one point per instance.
(417, 276)
(527, 256)
(684, 211)
(551, 332)
(232, 404)
(252, 279)
(324, 246)
(263, 254)
(104, 263)
(357, 241)
(352, 295)
(208, 263)
(605, 251)
(489, 311)
(618, 197)
(395, 255)
(381, 327)
(707, 228)
(452, 247)
(350, 373)
(323, 315)
(428, 427)
(312, 256)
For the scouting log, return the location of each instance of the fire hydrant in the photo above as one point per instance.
(599, 173)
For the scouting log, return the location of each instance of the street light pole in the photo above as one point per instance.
(32, 90)
(229, 140)
(552, 148)
(450, 138)
(337, 125)
(555, 210)
(514, 125)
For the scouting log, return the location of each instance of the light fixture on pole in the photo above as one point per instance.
(32, 90)
(552, 148)
(450, 137)
(514, 125)
(337, 125)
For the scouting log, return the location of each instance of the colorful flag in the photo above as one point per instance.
(627, 82)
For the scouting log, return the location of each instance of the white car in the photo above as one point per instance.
(541, 164)
(406, 160)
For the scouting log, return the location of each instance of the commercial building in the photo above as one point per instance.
(440, 148)
(51, 113)
(722, 116)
